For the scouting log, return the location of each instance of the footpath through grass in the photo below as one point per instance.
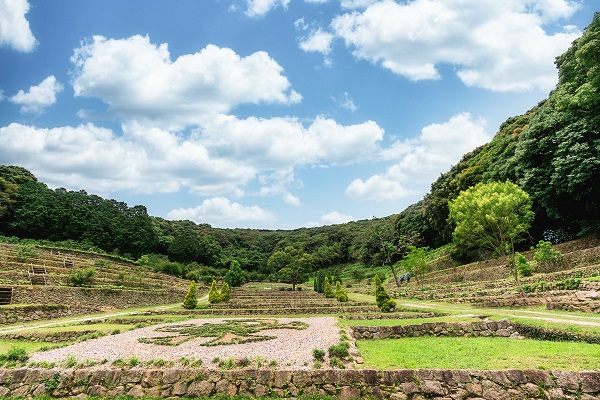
(477, 353)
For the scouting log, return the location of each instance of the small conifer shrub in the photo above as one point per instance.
(328, 290)
(225, 292)
(191, 300)
(340, 293)
(213, 294)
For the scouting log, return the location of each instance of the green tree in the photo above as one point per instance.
(213, 294)
(235, 276)
(291, 263)
(492, 216)
(225, 292)
(340, 293)
(191, 300)
(327, 289)
(415, 262)
(383, 299)
(184, 248)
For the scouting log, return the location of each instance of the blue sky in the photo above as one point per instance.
(271, 114)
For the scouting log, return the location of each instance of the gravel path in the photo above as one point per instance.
(291, 348)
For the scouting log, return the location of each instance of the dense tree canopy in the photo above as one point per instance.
(492, 216)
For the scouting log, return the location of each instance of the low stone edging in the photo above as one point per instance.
(502, 328)
(344, 384)
(13, 314)
(48, 337)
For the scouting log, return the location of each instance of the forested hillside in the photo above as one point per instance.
(552, 152)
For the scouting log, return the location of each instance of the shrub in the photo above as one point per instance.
(191, 300)
(339, 350)
(384, 302)
(327, 289)
(225, 292)
(545, 256)
(388, 305)
(82, 277)
(213, 294)
(523, 266)
(318, 354)
(340, 294)
(25, 252)
(235, 275)
(569, 284)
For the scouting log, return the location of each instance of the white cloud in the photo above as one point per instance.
(346, 102)
(139, 81)
(258, 8)
(356, 3)
(222, 212)
(14, 27)
(279, 143)
(319, 41)
(142, 160)
(422, 160)
(335, 217)
(38, 97)
(290, 199)
(497, 45)
(222, 158)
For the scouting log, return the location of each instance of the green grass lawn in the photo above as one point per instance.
(477, 353)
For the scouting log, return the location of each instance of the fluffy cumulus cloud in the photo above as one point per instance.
(258, 8)
(222, 212)
(221, 158)
(279, 143)
(497, 45)
(139, 81)
(141, 160)
(14, 27)
(421, 160)
(38, 97)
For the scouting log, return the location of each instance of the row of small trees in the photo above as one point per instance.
(322, 285)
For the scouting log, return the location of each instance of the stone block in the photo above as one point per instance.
(430, 387)
(136, 391)
(494, 391)
(200, 389)
(179, 389)
(555, 394)
(349, 392)
(566, 379)
(590, 381)
(171, 376)
(410, 388)
(97, 390)
(281, 379)
(539, 377)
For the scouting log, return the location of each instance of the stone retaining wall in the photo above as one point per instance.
(501, 328)
(363, 317)
(48, 337)
(12, 314)
(48, 302)
(344, 384)
(94, 297)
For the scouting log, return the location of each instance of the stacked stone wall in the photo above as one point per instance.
(344, 384)
(48, 302)
(95, 297)
(502, 328)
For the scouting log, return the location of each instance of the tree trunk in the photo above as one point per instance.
(395, 275)
(513, 267)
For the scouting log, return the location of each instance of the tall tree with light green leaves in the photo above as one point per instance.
(493, 216)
